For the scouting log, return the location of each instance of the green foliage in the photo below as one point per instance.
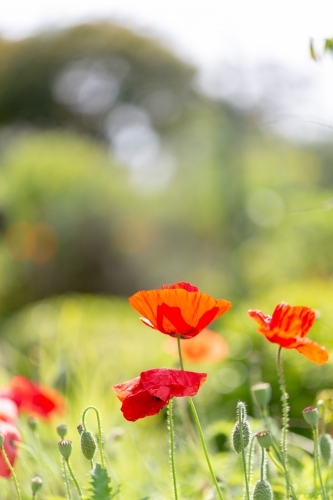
(100, 488)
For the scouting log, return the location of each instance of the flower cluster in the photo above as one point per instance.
(178, 310)
(22, 395)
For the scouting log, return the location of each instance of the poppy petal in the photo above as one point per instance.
(179, 382)
(183, 285)
(140, 405)
(126, 388)
(292, 321)
(262, 319)
(313, 351)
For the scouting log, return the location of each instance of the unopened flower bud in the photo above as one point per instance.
(262, 392)
(61, 430)
(236, 436)
(264, 439)
(262, 491)
(33, 423)
(88, 444)
(325, 445)
(65, 448)
(80, 429)
(310, 415)
(36, 484)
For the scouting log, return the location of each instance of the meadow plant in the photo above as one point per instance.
(182, 312)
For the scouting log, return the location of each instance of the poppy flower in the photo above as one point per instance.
(287, 327)
(32, 398)
(8, 410)
(204, 348)
(11, 435)
(147, 394)
(178, 309)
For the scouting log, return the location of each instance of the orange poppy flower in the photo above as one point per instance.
(147, 394)
(287, 327)
(178, 309)
(205, 348)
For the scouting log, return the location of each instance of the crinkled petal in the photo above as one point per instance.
(126, 388)
(313, 351)
(262, 319)
(292, 321)
(140, 405)
(164, 383)
(183, 285)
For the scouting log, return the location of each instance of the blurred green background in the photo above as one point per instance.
(117, 174)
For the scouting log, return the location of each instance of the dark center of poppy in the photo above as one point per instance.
(155, 398)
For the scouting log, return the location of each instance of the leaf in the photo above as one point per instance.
(100, 488)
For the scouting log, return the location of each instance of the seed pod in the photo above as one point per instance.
(262, 393)
(88, 444)
(264, 438)
(36, 484)
(325, 445)
(262, 491)
(310, 415)
(65, 448)
(236, 436)
(61, 430)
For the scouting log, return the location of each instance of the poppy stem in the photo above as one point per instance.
(202, 439)
(66, 479)
(73, 477)
(4, 455)
(100, 442)
(180, 352)
(172, 450)
(285, 421)
(317, 463)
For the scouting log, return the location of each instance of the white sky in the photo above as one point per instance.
(208, 32)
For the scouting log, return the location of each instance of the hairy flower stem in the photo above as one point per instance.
(262, 465)
(100, 442)
(4, 455)
(285, 421)
(74, 478)
(240, 423)
(197, 423)
(66, 480)
(172, 450)
(250, 459)
(317, 463)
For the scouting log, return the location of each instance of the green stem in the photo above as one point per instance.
(4, 454)
(197, 423)
(240, 422)
(172, 451)
(74, 478)
(249, 459)
(275, 462)
(317, 463)
(285, 420)
(66, 479)
(100, 443)
(262, 465)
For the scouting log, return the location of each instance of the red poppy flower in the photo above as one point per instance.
(204, 348)
(147, 394)
(178, 309)
(33, 398)
(11, 435)
(287, 327)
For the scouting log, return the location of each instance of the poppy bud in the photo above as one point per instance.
(241, 432)
(33, 423)
(80, 429)
(262, 393)
(325, 445)
(65, 448)
(262, 490)
(36, 484)
(310, 415)
(61, 430)
(264, 438)
(88, 444)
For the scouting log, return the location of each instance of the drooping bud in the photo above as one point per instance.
(61, 430)
(310, 415)
(262, 491)
(65, 448)
(33, 423)
(264, 438)
(36, 484)
(80, 429)
(241, 432)
(88, 444)
(325, 445)
(262, 392)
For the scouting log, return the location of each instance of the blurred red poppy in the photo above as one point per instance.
(178, 309)
(32, 398)
(147, 394)
(204, 348)
(11, 435)
(287, 327)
